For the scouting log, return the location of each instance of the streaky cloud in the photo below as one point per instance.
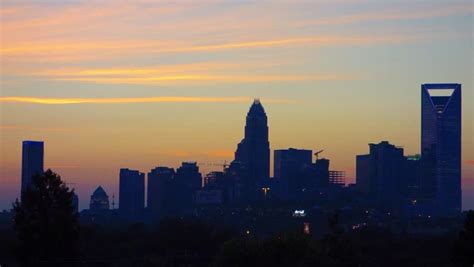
(153, 99)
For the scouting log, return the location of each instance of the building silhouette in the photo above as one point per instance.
(289, 167)
(188, 175)
(99, 201)
(217, 189)
(441, 146)
(187, 181)
(131, 193)
(252, 157)
(32, 162)
(159, 189)
(379, 175)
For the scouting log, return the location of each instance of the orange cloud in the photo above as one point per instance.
(469, 162)
(163, 99)
(134, 71)
(153, 46)
(154, 80)
(202, 72)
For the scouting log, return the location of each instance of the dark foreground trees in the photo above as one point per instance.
(46, 223)
(48, 235)
(464, 247)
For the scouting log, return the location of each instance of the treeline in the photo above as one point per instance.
(180, 242)
(45, 231)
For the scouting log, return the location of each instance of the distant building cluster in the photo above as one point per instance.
(428, 184)
(386, 180)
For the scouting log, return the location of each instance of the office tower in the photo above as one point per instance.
(131, 192)
(319, 174)
(187, 181)
(159, 189)
(253, 152)
(235, 175)
(188, 175)
(99, 200)
(32, 162)
(75, 202)
(380, 174)
(289, 171)
(364, 181)
(441, 146)
(411, 180)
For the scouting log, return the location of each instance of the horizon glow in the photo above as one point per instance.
(139, 84)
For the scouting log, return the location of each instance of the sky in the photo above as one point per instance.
(139, 84)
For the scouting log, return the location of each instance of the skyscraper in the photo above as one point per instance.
(289, 171)
(159, 189)
(441, 145)
(131, 192)
(253, 152)
(186, 182)
(379, 174)
(188, 175)
(32, 162)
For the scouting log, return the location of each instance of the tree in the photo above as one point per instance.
(464, 246)
(46, 222)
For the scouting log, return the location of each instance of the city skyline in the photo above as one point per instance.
(156, 93)
(394, 181)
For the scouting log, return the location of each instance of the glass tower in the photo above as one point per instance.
(441, 146)
(32, 162)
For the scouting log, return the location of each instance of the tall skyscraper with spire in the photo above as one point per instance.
(441, 145)
(253, 152)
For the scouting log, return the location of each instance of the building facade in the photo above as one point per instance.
(379, 175)
(290, 166)
(159, 189)
(131, 192)
(32, 162)
(441, 146)
(253, 154)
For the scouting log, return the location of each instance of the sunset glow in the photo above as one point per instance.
(140, 84)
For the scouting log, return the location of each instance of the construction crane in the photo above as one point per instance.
(224, 165)
(317, 153)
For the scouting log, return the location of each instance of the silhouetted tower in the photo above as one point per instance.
(289, 171)
(380, 173)
(131, 192)
(159, 189)
(441, 145)
(253, 152)
(32, 162)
